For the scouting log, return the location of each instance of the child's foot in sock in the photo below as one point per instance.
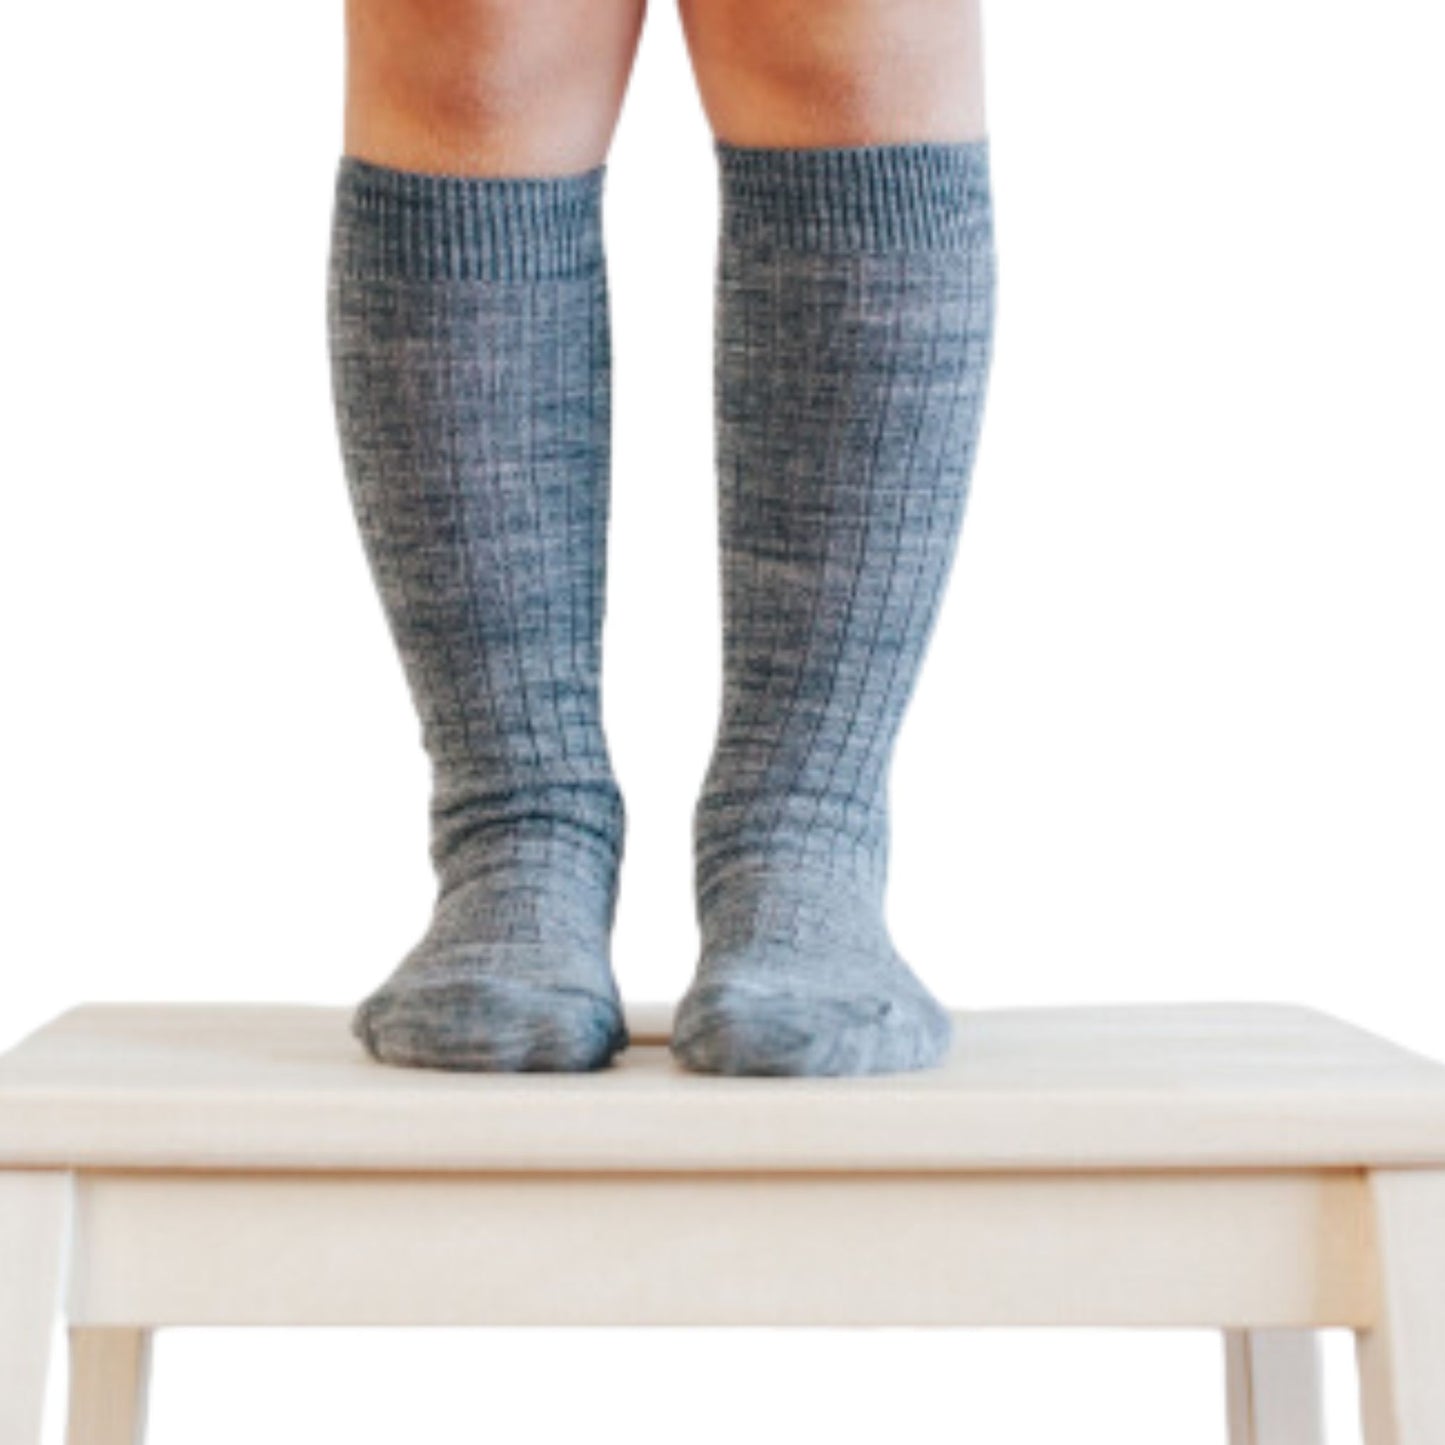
(512, 976)
(799, 977)
(508, 1008)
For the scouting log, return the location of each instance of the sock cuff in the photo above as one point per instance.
(917, 195)
(418, 226)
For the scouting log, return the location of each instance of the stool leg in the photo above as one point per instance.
(34, 1239)
(1402, 1359)
(109, 1376)
(1275, 1387)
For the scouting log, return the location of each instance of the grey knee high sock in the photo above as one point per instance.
(855, 310)
(469, 334)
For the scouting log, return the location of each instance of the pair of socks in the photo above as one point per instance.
(469, 329)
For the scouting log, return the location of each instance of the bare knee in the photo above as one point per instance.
(487, 85)
(795, 72)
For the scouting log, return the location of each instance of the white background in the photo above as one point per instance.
(1180, 732)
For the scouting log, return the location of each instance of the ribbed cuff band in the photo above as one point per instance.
(412, 225)
(921, 195)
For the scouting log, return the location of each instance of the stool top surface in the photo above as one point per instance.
(1140, 1086)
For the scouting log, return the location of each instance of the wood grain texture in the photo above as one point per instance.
(1243, 1250)
(34, 1239)
(109, 1383)
(1402, 1360)
(287, 1088)
(1275, 1387)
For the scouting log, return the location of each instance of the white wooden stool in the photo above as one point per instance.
(1261, 1170)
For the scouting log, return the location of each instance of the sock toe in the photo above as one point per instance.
(748, 1028)
(447, 1018)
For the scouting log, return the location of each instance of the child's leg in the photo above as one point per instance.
(848, 73)
(469, 335)
(487, 87)
(855, 305)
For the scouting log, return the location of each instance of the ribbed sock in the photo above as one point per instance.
(855, 310)
(470, 349)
